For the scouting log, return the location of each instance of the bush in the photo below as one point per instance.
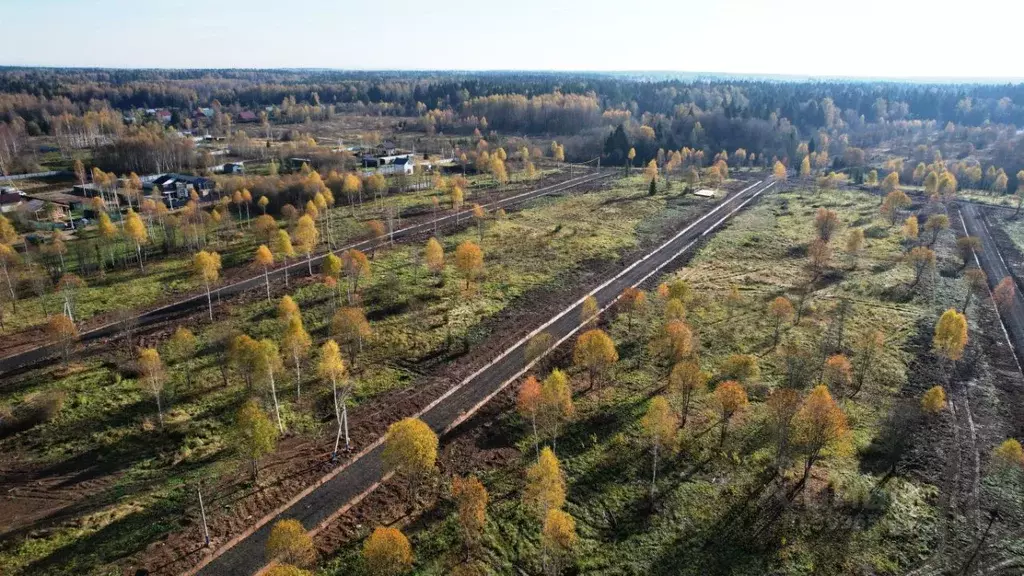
(876, 232)
(36, 409)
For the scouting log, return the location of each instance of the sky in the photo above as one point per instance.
(819, 38)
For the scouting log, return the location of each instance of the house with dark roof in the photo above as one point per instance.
(247, 116)
(9, 201)
(177, 188)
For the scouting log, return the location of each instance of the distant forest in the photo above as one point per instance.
(771, 119)
(799, 102)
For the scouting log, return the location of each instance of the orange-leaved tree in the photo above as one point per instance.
(921, 259)
(528, 403)
(730, 397)
(62, 331)
(780, 310)
(819, 424)
(674, 341)
(1004, 294)
(356, 266)
(469, 260)
(686, 380)
(633, 301)
(825, 223)
(838, 374)
(350, 327)
(471, 502)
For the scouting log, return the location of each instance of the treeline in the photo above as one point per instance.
(806, 104)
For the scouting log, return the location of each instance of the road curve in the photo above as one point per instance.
(991, 261)
(334, 494)
(40, 354)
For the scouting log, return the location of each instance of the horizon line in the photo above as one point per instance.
(695, 75)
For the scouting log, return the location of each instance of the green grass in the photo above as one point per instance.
(417, 320)
(834, 527)
(169, 277)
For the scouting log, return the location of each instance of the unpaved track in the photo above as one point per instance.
(334, 494)
(991, 261)
(41, 354)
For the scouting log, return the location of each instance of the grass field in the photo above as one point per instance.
(104, 441)
(718, 509)
(170, 276)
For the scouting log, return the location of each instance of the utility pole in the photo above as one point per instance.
(202, 510)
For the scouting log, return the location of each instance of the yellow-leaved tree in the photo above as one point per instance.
(153, 376)
(595, 352)
(387, 552)
(136, 231)
(934, 400)
(206, 267)
(283, 248)
(410, 450)
(290, 543)
(264, 259)
(332, 369)
(779, 171)
(255, 435)
(660, 426)
(545, 485)
(559, 538)
(950, 335)
(306, 236)
(556, 407)
(433, 255)
(295, 345)
(267, 365)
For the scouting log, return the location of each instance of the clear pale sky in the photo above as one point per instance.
(871, 38)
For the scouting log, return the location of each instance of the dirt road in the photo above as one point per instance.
(991, 261)
(335, 493)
